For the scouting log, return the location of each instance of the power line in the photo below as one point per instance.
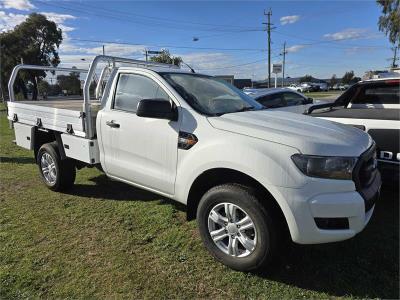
(147, 24)
(169, 46)
(232, 66)
(164, 19)
(346, 46)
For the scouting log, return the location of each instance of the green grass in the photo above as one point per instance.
(328, 94)
(108, 240)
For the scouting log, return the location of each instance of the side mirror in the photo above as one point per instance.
(309, 101)
(157, 109)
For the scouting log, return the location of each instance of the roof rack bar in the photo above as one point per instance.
(91, 73)
(34, 67)
(99, 87)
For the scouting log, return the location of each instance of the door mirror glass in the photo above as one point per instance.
(157, 109)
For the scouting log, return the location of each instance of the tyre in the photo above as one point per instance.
(236, 228)
(58, 175)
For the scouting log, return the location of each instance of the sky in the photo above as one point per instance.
(219, 37)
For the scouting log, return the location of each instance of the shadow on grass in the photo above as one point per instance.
(366, 266)
(17, 160)
(108, 189)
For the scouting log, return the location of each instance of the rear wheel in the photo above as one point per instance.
(57, 174)
(236, 228)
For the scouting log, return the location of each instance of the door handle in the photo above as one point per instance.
(112, 124)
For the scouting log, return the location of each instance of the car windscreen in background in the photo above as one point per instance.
(378, 93)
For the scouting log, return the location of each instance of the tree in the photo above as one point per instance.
(348, 77)
(70, 84)
(43, 88)
(306, 78)
(333, 80)
(389, 22)
(166, 58)
(35, 41)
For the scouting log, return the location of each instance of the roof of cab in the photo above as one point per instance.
(159, 69)
(381, 79)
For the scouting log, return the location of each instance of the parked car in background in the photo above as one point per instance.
(323, 86)
(314, 87)
(298, 88)
(282, 99)
(344, 87)
(307, 87)
(373, 106)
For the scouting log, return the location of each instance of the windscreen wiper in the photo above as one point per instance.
(245, 108)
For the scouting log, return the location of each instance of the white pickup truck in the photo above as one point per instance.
(248, 175)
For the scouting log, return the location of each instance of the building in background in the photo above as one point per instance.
(228, 78)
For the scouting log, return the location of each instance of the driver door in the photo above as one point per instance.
(139, 150)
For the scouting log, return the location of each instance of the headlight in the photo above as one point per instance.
(325, 166)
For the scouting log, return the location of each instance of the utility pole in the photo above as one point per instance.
(269, 14)
(283, 64)
(1, 79)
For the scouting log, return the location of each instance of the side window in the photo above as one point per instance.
(132, 88)
(293, 99)
(271, 101)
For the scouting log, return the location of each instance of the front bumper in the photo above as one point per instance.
(345, 213)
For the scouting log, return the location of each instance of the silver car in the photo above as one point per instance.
(283, 99)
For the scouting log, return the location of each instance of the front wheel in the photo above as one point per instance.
(236, 228)
(57, 174)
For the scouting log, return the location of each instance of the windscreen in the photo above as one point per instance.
(378, 93)
(209, 95)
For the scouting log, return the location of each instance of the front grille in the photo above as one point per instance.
(366, 168)
(365, 174)
(368, 171)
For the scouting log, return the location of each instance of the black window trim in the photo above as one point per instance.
(137, 74)
(294, 93)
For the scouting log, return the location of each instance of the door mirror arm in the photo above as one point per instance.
(308, 101)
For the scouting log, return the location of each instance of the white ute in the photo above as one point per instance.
(247, 174)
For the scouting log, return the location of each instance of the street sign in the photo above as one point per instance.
(276, 68)
(154, 52)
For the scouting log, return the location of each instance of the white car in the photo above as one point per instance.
(323, 86)
(282, 99)
(302, 88)
(248, 174)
